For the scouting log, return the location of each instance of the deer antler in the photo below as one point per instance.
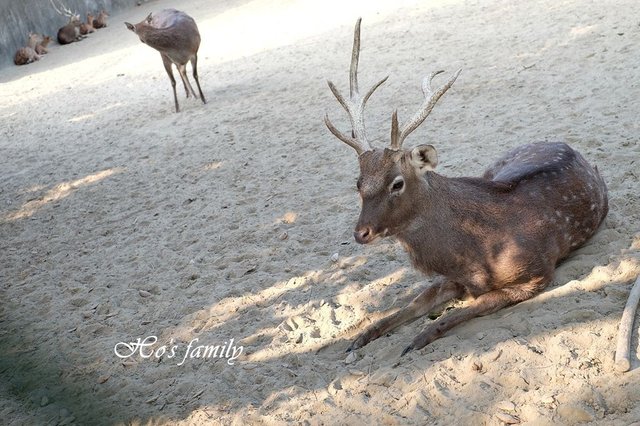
(431, 98)
(354, 106)
(65, 11)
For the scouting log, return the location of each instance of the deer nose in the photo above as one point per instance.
(363, 235)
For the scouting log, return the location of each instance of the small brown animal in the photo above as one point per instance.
(70, 32)
(28, 54)
(495, 239)
(101, 20)
(41, 46)
(87, 27)
(175, 35)
(25, 55)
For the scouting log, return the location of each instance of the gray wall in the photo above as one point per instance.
(18, 17)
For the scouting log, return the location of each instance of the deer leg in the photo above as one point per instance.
(485, 304)
(167, 66)
(194, 65)
(182, 69)
(434, 295)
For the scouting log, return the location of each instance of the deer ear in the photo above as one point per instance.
(423, 158)
(131, 27)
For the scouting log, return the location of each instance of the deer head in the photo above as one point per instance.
(391, 179)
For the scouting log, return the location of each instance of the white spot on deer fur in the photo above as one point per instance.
(593, 207)
(558, 213)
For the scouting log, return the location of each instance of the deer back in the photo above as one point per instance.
(171, 32)
(568, 194)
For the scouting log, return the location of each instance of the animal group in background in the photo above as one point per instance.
(175, 35)
(35, 48)
(73, 30)
(494, 239)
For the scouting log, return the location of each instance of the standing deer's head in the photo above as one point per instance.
(140, 26)
(391, 179)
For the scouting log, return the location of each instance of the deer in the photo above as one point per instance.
(493, 240)
(30, 53)
(25, 55)
(42, 41)
(71, 31)
(101, 20)
(87, 28)
(175, 35)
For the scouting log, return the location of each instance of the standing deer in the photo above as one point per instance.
(495, 239)
(175, 35)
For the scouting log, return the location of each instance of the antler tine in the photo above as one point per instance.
(431, 98)
(355, 58)
(354, 106)
(344, 138)
(65, 11)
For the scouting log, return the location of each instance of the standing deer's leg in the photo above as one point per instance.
(182, 69)
(485, 304)
(433, 296)
(194, 65)
(167, 66)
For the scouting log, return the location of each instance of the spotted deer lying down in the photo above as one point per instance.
(495, 239)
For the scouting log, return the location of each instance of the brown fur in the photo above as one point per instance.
(87, 27)
(41, 47)
(101, 20)
(28, 54)
(25, 55)
(175, 35)
(70, 32)
(495, 239)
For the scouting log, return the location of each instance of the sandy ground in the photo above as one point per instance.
(120, 219)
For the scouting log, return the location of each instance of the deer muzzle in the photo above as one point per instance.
(367, 234)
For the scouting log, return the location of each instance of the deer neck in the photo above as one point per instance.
(437, 231)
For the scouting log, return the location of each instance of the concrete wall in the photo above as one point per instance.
(18, 17)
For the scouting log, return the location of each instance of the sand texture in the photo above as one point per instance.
(120, 219)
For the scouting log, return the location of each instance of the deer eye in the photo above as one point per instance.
(397, 184)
